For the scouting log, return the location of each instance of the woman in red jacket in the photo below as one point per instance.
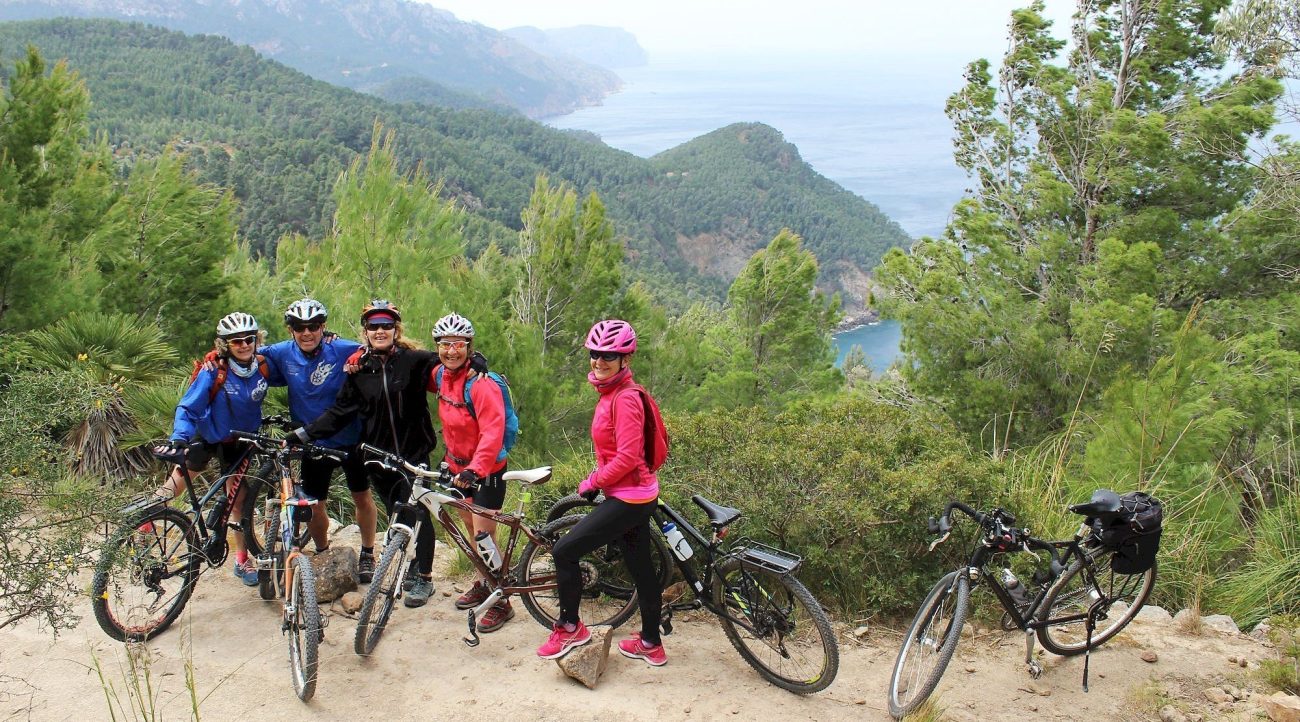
(631, 489)
(474, 434)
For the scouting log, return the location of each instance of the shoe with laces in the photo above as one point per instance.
(421, 590)
(246, 572)
(633, 647)
(494, 618)
(473, 597)
(365, 568)
(561, 641)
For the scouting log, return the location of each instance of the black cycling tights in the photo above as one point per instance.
(628, 526)
(395, 487)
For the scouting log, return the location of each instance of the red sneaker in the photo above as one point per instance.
(633, 647)
(561, 641)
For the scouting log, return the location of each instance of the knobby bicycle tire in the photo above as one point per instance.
(1073, 594)
(304, 626)
(785, 622)
(929, 632)
(537, 567)
(257, 486)
(270, 582)
(146, 553)
(660, 555)
(379, 599)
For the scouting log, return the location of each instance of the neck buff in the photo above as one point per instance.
(610, 382)
(241, 370)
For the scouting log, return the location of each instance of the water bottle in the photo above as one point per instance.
(487, 550)
(215, 513)
(1015, 588)
(681, 548)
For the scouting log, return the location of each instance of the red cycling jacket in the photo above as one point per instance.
(471, 443)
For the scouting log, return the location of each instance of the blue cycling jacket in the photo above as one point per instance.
(313, 382)
(236, 407)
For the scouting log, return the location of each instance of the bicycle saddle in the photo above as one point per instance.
(540, 475)
(719, 515)
(1104, 501)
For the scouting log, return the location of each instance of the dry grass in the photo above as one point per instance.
(932, 710)
(1191, 623)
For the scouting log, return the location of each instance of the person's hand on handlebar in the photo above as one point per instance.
(298, 436)
(588, 490)
(465, 479)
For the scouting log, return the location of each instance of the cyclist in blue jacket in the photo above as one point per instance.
(312, 369)
(219, 401)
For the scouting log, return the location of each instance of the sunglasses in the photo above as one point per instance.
(242, 341)
(384, 326)
(305, 327)
(452, 345)
(605, 356)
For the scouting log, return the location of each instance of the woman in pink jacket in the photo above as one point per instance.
(631, 489)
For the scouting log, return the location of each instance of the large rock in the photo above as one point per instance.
(1282, 707)
(336, 572)
(1220, 623)
(1261, 630)
(587, 663)
(348, 536)
(1153, 614)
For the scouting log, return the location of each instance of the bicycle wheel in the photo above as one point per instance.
(599, 575)
(145, 575)
(258, 486)
(785, 634)
(660, 555)
(929, 645)
(302, 619)
(1075, 592)
(381, 595)
(270, 582)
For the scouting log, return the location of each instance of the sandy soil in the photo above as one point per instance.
(421, 669)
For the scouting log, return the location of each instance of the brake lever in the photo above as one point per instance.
(940, 540)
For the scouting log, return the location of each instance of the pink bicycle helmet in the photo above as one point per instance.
(612, 336)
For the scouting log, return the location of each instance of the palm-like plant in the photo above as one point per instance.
(114, 351)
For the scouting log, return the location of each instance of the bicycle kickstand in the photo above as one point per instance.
(472, 640)
(666, 621)
(1035, 669)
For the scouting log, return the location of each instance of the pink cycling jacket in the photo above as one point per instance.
(618, 434)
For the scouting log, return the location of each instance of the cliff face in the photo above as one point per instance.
(366, 44)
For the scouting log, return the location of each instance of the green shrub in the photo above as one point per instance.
(846, 483)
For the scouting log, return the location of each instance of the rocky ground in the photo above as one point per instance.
(1158, 668)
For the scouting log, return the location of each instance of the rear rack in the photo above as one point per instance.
(764, 557)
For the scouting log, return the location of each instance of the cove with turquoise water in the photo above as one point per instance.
(873, 126)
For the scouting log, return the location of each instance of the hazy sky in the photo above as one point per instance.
(914, 28)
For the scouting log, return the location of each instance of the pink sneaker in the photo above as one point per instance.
(561, 641)
(633, 647)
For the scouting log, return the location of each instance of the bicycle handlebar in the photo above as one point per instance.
(998, 520)
(271, 444)
(392, 460)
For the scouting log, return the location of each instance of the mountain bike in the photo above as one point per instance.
(534, 575)
(1078, 601)
(282, 568)
(768, 615)
(148, 567)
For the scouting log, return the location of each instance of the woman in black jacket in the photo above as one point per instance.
(388, 391)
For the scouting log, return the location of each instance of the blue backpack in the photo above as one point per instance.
(512, 418)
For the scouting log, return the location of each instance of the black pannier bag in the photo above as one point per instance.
(1132, 533)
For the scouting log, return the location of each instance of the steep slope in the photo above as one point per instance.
(603, 46)
(279, 139)
(365, 44)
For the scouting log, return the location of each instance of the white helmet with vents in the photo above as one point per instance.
(307, 310)
(453, 324)
(236, 323)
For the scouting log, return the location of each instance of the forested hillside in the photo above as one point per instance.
(367, 45)
(278, 139)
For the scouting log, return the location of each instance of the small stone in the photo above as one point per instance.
(1216, 695)
(859, 701)
(1260, 632)
(1033, 708)
(1281, 707)
(1220, 623)
(1170, 713)
(1232, 659)
(970, 669)
(588, 662)
(351, 602)
(1242, 663)
(861, 631)
(1044, 693)
(1235, 693)
(446, 593)
(1149, 656)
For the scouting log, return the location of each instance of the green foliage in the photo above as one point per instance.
(847, 483)
(1268, 583)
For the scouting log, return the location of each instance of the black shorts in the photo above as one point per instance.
(491, 492)
(199, 454)
(316, 473)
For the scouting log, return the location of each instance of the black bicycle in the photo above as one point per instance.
(149, 566)
(769, 616)
(1076, 601)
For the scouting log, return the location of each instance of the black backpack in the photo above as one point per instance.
(1132, 533)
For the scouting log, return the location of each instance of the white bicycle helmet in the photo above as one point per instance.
(236, 323)
(307, 310)
(453, 324)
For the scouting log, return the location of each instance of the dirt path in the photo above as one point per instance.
(421, 669)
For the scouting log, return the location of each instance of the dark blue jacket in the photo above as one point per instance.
(236, 407)
(314, 382)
